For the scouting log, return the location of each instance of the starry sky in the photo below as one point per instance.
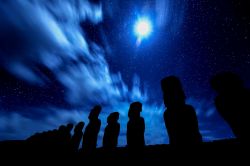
(59, 59)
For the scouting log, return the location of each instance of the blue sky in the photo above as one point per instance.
(60, 59)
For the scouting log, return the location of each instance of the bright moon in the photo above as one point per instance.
(143, 28)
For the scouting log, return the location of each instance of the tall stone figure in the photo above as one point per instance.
(135, 127)
(233, 103)
(111, 133)
(77, 136)
(180, 119)
(91, 132)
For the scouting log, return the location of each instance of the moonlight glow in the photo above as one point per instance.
(143, 28)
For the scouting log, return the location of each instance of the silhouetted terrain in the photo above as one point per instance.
(186, 144)
(223, 150)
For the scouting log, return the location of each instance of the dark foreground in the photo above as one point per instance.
(224, 151)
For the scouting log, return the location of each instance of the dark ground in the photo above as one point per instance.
(223, 151)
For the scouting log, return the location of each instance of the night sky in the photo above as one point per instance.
(58, 59)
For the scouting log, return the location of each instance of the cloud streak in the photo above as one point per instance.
(37, 35)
